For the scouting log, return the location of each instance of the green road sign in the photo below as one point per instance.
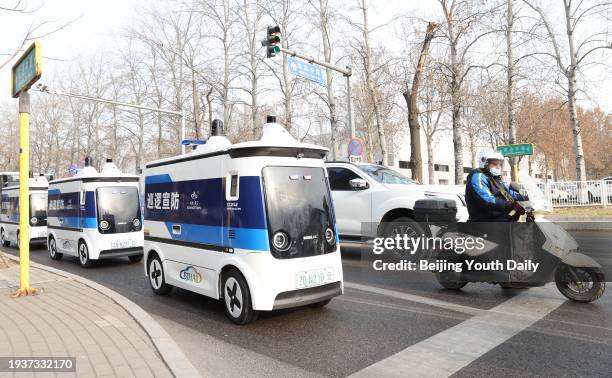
(27, 70)
(516, 149)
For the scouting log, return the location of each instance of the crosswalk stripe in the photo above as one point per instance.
(453, 349)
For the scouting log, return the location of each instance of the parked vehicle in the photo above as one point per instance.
(538, 241)
(372, 200)
(9, 211)
(95, 216)
(251, 224)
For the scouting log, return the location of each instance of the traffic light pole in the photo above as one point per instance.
(346, 72)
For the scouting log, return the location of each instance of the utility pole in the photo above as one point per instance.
(181, 114)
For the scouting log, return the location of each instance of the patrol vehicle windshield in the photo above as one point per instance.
(118, 209)
(300, 218)
(38, 209)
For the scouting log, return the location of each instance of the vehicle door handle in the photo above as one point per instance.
(176, 229)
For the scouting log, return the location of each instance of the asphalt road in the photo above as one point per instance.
(381, 315)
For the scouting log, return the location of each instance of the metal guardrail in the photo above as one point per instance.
(578, 193)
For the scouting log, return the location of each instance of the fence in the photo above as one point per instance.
(578, 193)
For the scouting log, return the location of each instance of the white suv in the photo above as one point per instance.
(366, 195)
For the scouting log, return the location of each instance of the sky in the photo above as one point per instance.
(97, 22)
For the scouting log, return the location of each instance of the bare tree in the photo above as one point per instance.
(411, 96)
(368, 64)
(572, 59)
(462, 18)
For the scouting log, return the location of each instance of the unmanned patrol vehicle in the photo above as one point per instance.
(95, 215)
(9, 210)
(250, 223)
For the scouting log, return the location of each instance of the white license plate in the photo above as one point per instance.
(316, 277)
(121, 244)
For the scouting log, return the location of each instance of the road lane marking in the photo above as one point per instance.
(453, 349)
(415, 298)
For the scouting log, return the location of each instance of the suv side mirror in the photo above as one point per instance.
(358, 184)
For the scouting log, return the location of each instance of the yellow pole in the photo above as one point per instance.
(515, 170)
(24, 195)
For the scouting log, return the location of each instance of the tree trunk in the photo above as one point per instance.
(411, 96)
(510, 84)
(331, 100)
(571, 95)
(382, 141)
(196, 107)
(430, 161)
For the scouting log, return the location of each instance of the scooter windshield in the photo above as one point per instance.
(299, 210)
(38, 210)
(118, 210)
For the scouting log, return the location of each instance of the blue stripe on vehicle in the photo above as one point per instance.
(157, 179)
(245, 238)
(76, 222)
(202, 202)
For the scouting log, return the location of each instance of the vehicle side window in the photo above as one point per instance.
(339, 178)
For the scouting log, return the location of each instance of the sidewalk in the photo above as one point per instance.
(71, 319)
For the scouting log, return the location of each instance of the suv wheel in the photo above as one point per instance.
(401, 226)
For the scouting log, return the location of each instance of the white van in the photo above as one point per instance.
(9, 211)
(250, 223)
(95, 216)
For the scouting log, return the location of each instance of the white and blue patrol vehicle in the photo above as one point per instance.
(249, 223)
(95, 216)
(9, 209)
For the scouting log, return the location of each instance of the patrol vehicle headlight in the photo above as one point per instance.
(330, 238)
(281, 241)
(34, 220)
(104, 225)
(136, 223)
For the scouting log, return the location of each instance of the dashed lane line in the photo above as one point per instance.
(453, 349)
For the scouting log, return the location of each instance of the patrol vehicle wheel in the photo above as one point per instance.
(135, 258)
(53, 253)
(84, 259)
(157, 278)
(3, 240)
(237, 298)
(18, 241)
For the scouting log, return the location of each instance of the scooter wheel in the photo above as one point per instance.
(580, 284)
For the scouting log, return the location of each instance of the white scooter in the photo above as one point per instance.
(577, 276)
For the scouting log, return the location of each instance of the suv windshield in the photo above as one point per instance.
(385, 175)
(38, 209)
(119, 207)
(298, 205)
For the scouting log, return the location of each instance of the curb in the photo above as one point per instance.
(170, 352)
(583, 223)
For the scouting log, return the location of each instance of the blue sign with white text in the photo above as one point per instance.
(305, 70)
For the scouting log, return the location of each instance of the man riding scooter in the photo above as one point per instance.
(488, 198)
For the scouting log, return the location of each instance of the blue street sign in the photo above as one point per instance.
(306, 70)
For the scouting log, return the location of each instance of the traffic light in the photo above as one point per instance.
(272, 41)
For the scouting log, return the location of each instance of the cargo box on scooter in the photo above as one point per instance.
(435, 210)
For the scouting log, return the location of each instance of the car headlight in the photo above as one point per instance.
(34, 220)
(330, 238)
(136, 223)
(281, 241)
(104, 225)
